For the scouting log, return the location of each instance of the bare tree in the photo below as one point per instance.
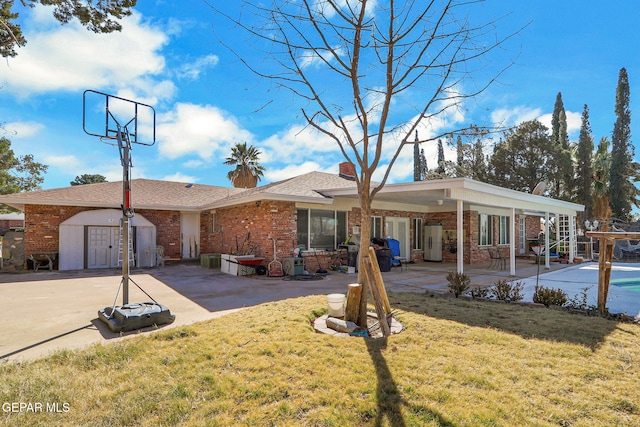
(370, 72)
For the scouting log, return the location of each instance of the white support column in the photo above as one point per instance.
(512, 243)
(572, 238)
(546, 241)
(460, 236)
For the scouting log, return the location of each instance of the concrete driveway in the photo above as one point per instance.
(45, 311)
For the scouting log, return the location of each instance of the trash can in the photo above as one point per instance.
(384, 259)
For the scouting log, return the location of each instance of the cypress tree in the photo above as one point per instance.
(584, 169)
(622, 190)
(417, 175)
(440, 168)
(560, 139)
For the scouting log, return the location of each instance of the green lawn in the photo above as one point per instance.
(457, 363)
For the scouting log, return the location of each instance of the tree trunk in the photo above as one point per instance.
(245, 179)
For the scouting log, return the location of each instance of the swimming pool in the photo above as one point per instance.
(632, 284)
(624, 292)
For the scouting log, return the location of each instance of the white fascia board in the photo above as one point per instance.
(519, 200)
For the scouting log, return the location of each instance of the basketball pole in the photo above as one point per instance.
(127, 212)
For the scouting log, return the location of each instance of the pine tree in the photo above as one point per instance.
(524, 158)
(584, 166)
(622, 189)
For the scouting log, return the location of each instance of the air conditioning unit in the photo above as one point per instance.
(293, 266)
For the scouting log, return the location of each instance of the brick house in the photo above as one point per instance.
(314, 211)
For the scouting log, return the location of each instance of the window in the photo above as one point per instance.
(485, 230)
(376, 226)
(417, 233)
(321, 229)
(504, 230)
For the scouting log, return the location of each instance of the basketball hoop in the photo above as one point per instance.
(120, 120)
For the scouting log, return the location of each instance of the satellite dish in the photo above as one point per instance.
(539, 189)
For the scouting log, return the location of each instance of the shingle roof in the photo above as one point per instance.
(152, 194)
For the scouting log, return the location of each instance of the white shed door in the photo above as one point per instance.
(99, 248)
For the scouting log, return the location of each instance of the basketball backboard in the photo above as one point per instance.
(103, 115)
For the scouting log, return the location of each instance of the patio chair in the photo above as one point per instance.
(396, 259)
(497, 260)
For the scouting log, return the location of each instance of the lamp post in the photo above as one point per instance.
(591, 226)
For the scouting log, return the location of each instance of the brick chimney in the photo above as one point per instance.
(347, 171)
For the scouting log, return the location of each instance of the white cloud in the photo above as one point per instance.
(293, 170)
(64, 162)
(192, 70)
(179, 177)
(201, 130)
(23, 129)
(192, 164)
(70, 57)
(519, 114)
(506, 117)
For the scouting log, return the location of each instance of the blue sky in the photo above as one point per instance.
(170, 55)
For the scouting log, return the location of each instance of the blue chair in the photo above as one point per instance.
(396, 259)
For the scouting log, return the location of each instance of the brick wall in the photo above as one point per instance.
(42, 226)
(250, 227)
(167, 230)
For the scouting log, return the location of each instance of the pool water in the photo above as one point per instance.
(632, 284)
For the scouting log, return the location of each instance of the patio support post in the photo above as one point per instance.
(512, 243)
(460, 234)
(572, 238)
(546, 241)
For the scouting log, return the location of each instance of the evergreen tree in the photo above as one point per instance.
(96, 16)
(417, 174)
(622, 173)
(440, 168)
(460, 159)
(424, 169)
(524, 158)
(584, 163)
(18, 173)
(560, 138)
(88, 179)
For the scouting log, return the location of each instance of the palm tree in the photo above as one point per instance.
(247, 170)
(601, 196)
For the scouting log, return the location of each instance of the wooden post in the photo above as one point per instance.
(375, 295)
(352, 307)
(607, 243)
(378, 281)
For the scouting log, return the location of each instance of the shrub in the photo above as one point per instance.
(458, 283)
(507, 291)
(479, 293)
(549, 296)
(579, 302)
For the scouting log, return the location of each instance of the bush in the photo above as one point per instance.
(479, 293)
(549, 296)
(458, 283)
(507, 291)
(579, 302)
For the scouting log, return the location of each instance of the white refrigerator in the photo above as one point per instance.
(433, 242)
